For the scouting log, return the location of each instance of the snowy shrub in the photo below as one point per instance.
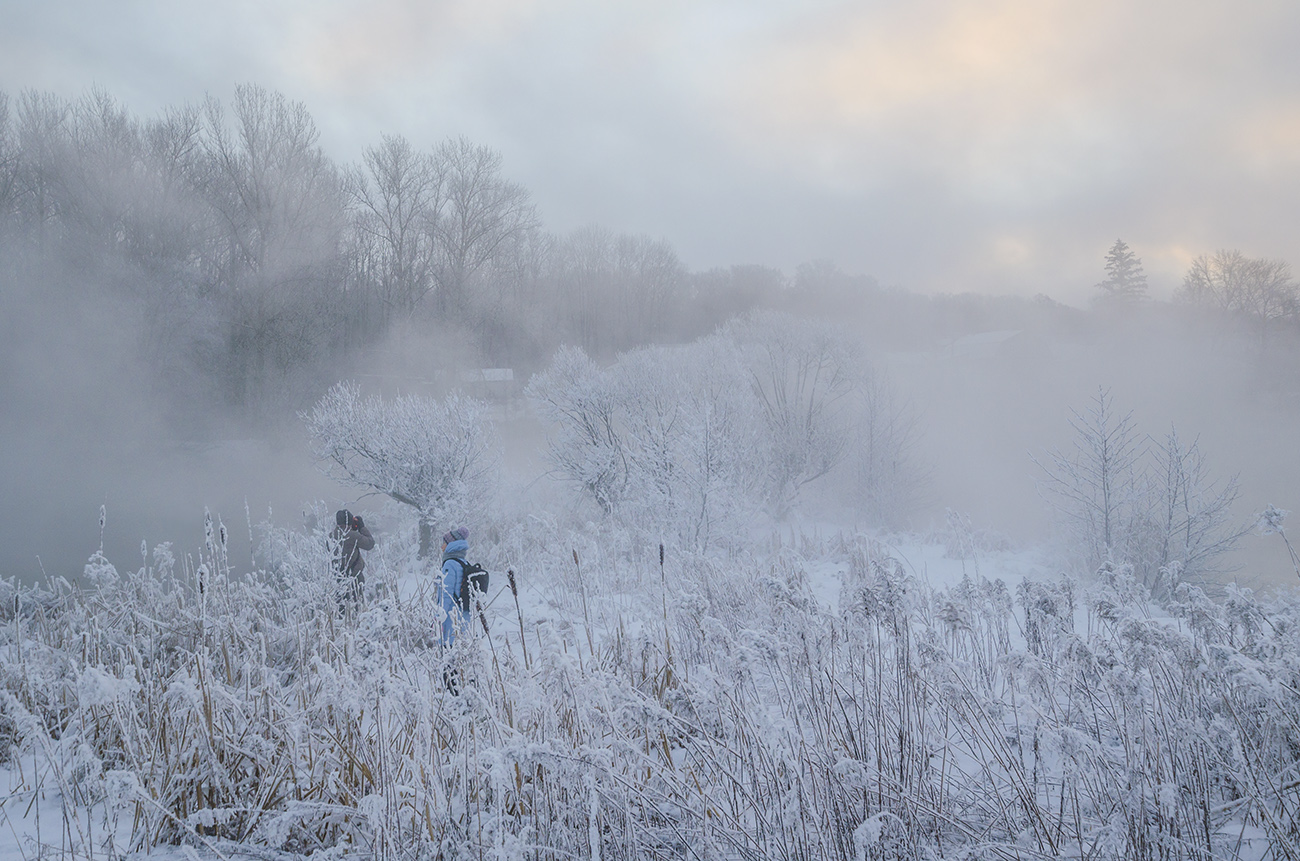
(664, 438)
(803, 374)
(690, 442)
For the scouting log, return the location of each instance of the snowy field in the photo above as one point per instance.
(825, 695)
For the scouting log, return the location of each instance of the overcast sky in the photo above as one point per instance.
(940, 145)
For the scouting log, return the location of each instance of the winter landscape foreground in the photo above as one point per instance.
(823, 696)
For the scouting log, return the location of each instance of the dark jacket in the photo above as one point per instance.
(349, 544)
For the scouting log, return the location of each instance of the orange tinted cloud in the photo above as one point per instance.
(358, 45)
(994, 93)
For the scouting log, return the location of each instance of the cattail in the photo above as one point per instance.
(514, 591)
(207, 533)
(586, 618)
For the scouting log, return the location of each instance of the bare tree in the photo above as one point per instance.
(171, 228)
(437, 457)
(479, 212)
(275, 188)
(1192, 515)
(43, 143)
(1094, 487)
(1261, 290)
(886, 482)
(581, 270)
(9, 156)
(648, 278)
(613, 291)
(1152, 505)
(104, 170)
(280, 202)
(397, 195)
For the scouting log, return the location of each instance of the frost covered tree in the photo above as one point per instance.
(1191, 514)
(1127, 499)
(721, 434)
(579, 399)
(693, 439)
(667, 438)
(437, 456)
(692, 429)
(1094, 485)
(1125, 280)
(395, 194)
(803, 373)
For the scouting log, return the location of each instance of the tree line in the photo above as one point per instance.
(1259, 291)
(253, 264)
(254, 271)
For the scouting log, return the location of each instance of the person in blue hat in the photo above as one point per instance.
(462, 581)
(458, 587)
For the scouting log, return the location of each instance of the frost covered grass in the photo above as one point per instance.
(636, 703)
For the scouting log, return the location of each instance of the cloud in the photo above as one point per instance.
(360, 46)
(940, 144)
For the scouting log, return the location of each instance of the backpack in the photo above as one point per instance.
(472, 575)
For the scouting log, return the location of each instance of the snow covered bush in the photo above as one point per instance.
(582, 401)
(693, 441)
(665, 438)
(803, 373)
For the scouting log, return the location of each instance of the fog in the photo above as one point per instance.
(179, 288)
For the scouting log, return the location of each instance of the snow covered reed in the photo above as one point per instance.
(690, 708)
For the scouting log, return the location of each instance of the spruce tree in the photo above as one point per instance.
(1125, 279)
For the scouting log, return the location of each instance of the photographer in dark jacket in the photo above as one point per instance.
(349, 538)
